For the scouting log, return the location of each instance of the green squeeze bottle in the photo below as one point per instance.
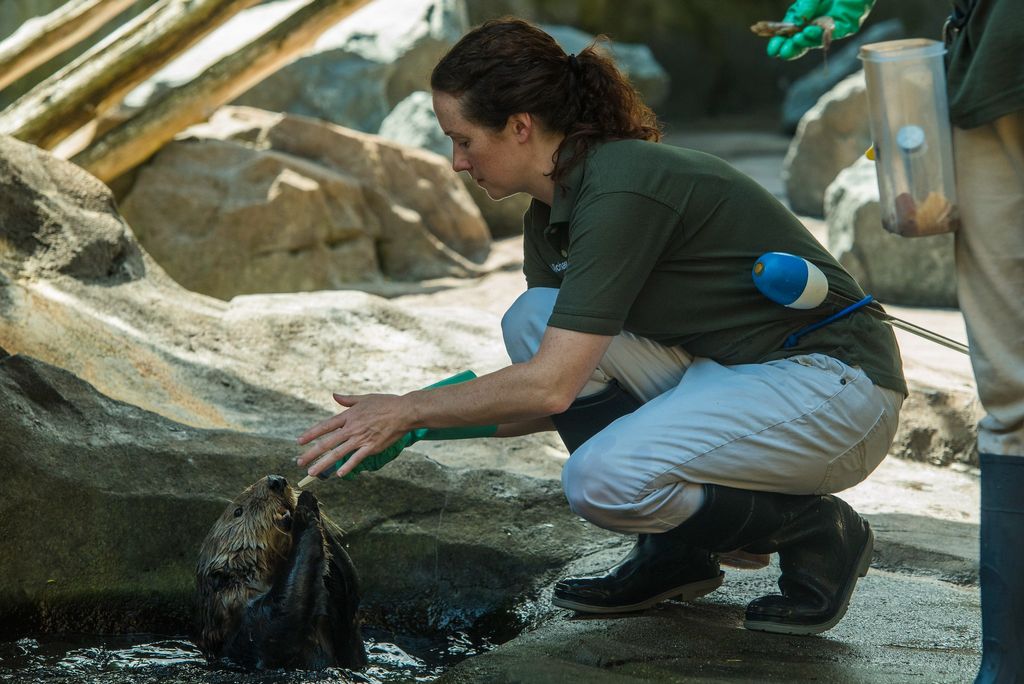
(379, 460)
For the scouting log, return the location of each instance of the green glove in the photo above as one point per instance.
(381, 459)
(846, 15)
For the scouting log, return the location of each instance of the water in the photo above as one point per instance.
(146, 658)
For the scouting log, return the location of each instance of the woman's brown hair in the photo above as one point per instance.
(507, 66)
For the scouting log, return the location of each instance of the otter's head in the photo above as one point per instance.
(241, 555)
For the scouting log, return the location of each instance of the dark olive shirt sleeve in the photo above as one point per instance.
(615, 240)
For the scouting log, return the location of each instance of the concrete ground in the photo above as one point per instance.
(914, 618)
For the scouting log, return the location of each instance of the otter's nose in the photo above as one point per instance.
(276, 483)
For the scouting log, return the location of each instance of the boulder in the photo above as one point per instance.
(939, 425)
(259, 202)
(896, 270)
(107, 505)
(77, 291)
(414, 123)
(833, 134)
(41, 196)
(132, 408)
(841, 62)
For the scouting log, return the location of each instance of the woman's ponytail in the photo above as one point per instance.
(605, 105)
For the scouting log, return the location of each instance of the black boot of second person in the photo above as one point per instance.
(1002, 570)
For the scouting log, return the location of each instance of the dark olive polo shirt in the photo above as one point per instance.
(660, 241)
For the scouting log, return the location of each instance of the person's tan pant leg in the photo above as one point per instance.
(990, 273)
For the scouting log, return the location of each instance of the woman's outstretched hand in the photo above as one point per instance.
(369, 424)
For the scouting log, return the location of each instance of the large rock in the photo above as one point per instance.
(260, 202)
(833, 134)
(414, 123)
(107, 505)
(939, 425)
(78, 292)
(114, 481)
(896, 270)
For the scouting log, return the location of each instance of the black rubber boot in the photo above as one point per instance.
(823, 547)
(657, 568)
(1002, 569)
(654, 570)
(821, 555)
(589, 415)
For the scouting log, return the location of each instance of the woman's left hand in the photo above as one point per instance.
(369, 424)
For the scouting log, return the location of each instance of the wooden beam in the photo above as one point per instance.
(41, 39)
(132, 142)
(99, 79)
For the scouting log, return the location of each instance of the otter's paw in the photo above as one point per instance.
(307, 512)
(308, 501)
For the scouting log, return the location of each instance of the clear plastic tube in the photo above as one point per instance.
(906, 89)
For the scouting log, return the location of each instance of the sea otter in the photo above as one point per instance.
(274, 585)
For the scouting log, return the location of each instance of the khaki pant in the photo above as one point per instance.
(990, 273)
(803, 425)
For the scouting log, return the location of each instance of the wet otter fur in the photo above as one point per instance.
(274, 585)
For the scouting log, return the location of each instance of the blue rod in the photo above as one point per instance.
(795, 337)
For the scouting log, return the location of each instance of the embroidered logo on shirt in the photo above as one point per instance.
(560, 266)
